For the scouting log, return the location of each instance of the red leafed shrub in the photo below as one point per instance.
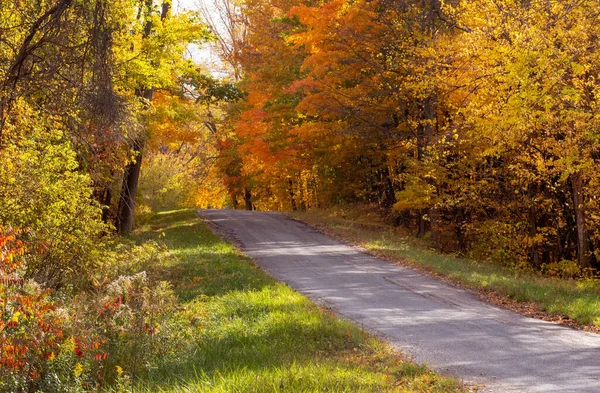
(63, 342)
(31, 328)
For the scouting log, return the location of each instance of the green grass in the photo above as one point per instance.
(577, 300)
(242, 331)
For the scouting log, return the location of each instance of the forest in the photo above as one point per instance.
(473, 124)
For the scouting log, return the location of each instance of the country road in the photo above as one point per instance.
(433, 322)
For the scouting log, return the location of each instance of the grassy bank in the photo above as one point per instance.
(241, 331)
(566, 301)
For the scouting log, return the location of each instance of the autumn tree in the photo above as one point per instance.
(157, 47)
(534, 114)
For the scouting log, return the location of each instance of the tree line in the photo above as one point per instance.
(473, 122)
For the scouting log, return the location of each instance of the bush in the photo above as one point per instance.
(50, 341)
(496, 241)
(32, 327)
(563, 269)
(123, 325)
(42, 192)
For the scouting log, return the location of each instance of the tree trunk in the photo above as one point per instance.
(583, 247)
(248, 198)
(434, 220)
(421, 223)
(106, 199)
(292, 196)
(131, 177)
(534, 255)
(387, 195)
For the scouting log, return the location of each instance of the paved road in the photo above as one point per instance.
(433, 322)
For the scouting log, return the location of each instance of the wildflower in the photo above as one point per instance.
(78, 370)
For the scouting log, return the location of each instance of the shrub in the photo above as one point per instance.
(53, 342)
(31, 324)
(496, 241)
(562, 269)
(42, 192)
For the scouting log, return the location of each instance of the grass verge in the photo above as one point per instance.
(570, 302)
(241, 331)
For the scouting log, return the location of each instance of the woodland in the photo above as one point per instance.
(474, 124)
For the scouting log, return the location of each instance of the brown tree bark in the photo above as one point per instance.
(131, 177)
(421, 223)
(131, 174)
(106, 204)
(387, 196)
(434, 221)
(248, 198)
(292, 195)
(534, 255)
(583, 247)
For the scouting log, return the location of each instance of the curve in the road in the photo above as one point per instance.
(433, 322)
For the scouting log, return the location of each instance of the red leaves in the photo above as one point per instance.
(100, 356)
(29, 329)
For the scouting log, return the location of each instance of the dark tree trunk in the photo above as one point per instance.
(387, 195)
(248, 198)
(131, 177)
(434, 220)
(106, 199)
(292, 196)
(583, 247)
(421, 223)
(534, 255)
(424, 136)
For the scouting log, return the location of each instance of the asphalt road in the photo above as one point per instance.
(433, 322)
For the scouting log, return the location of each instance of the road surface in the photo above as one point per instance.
(433, 322)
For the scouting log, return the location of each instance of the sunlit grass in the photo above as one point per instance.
(242, 331)
(577, 300)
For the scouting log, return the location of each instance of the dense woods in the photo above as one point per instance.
(474, 122)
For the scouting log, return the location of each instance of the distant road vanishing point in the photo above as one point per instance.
(433, 322)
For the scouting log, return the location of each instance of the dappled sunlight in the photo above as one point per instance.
(292, 248)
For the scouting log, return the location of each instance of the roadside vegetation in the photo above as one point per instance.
(177, 309)
(546, 295)
(241, 330)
